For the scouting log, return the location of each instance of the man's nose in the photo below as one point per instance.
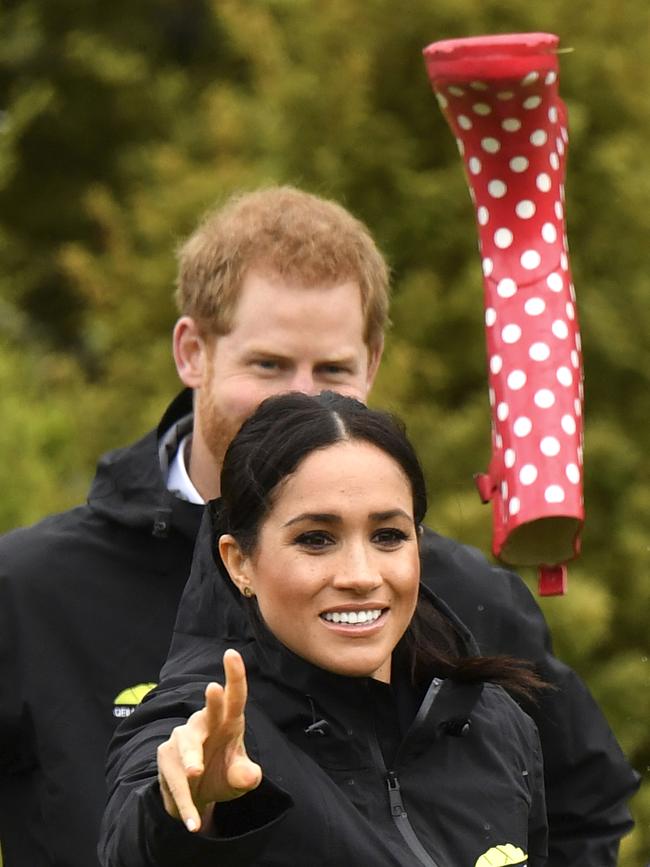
(303, 380)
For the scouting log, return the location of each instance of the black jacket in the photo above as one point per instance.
(87, 605)
(87, 601)
(355, 772)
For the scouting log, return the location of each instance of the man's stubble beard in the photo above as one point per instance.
(217, 430)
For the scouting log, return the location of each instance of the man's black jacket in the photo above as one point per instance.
(87, 606)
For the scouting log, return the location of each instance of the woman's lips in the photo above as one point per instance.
(358, 620)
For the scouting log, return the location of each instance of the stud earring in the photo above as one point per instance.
(248, 593)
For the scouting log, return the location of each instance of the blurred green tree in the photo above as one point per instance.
(120, 123)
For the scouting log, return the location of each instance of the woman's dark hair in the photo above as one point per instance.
(269, 448)
(282, 433)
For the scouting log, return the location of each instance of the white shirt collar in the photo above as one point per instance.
(178, 479)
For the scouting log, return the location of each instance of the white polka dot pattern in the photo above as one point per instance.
(514, 141)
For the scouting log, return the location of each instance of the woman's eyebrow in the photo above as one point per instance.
(391, 513)
(318, 517)
(330, 518)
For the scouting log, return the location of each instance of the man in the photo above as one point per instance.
(278, 291)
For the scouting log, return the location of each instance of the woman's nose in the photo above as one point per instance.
(357, 572)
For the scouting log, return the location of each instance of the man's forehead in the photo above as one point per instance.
(267, 305)
(261, 280)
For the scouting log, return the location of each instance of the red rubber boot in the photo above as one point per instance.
(499, 95)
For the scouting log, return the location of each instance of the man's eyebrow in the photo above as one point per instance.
(343, 357)
(255, 351)
(316, 517)
(339, 358)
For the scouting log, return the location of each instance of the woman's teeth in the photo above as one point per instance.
(352, 616)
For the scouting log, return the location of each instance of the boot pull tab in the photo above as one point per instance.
(485, 486)
(552, 580)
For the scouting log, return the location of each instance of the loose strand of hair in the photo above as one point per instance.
(437, 649)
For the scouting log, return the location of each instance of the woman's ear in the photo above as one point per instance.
(236, 563)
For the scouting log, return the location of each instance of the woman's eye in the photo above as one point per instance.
(314, 539)
(390, 537)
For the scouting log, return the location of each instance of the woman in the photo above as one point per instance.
(372, 734)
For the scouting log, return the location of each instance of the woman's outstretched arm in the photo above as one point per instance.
(178, 765)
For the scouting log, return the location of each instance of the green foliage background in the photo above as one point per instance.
(120, 123)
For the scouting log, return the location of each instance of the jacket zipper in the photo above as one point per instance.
(401, 819)
(397, 808)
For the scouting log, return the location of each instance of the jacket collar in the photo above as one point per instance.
(333, 717)
(129, 486)
(445, 708)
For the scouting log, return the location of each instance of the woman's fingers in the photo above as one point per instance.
(213, 710)
(190, 738)
(175, 787)
(236, 689)
(205, 760)
(181, 760)
(243, 775)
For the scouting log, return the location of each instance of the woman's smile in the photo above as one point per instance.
(355, 623)
(363, 616)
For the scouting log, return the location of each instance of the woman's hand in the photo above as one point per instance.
(205, 761)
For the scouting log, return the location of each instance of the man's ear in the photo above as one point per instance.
(190, 352)
(374, 358)
(236, 563)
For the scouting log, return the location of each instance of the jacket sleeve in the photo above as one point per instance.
(136, 829)
(588, 779)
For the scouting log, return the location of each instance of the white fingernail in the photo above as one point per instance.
(191, 825)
